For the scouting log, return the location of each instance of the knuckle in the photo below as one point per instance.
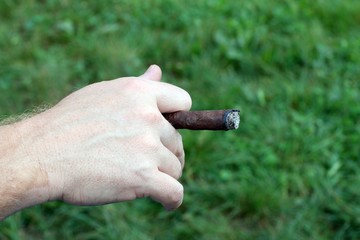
(176, 196)
(178, 137)
(133, 84)
(150, 143)
(181, 157)
(179, 151)
(152, 117)
(178, 173)
(176, 170)
(187, 101)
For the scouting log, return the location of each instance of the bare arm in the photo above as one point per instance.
(22, 181)
(107, 142)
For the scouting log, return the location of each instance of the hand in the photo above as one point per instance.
(109, 142)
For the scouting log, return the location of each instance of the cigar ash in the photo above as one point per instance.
(232, 119)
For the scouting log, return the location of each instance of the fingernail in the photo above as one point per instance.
(151, 68)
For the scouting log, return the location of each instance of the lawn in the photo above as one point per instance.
(292, 169)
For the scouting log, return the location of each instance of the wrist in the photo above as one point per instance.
(23, 182)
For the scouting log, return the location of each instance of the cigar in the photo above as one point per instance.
(205, 120)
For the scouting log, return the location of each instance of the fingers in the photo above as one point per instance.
(172, 140)
(162, 184)
(166, 190)
(169, 153)
(169, 98)
(152, 73)
(168, 163)
(163, 136)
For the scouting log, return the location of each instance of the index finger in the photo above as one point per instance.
(170, 98)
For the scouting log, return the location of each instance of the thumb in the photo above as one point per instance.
(152, 73)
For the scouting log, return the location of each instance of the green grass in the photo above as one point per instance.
(291, 171)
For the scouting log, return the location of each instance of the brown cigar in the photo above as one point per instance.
(205, 120)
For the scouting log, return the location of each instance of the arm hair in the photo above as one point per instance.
(7, 120)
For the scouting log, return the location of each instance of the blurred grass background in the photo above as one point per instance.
(292, 170)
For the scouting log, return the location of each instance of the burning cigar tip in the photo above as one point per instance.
(232, 119)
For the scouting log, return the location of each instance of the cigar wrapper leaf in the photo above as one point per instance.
(205, 120)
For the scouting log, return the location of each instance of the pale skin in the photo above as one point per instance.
(105, 143)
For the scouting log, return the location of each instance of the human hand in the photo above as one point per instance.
(109, 142)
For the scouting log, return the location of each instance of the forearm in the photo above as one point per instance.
(21, 178)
